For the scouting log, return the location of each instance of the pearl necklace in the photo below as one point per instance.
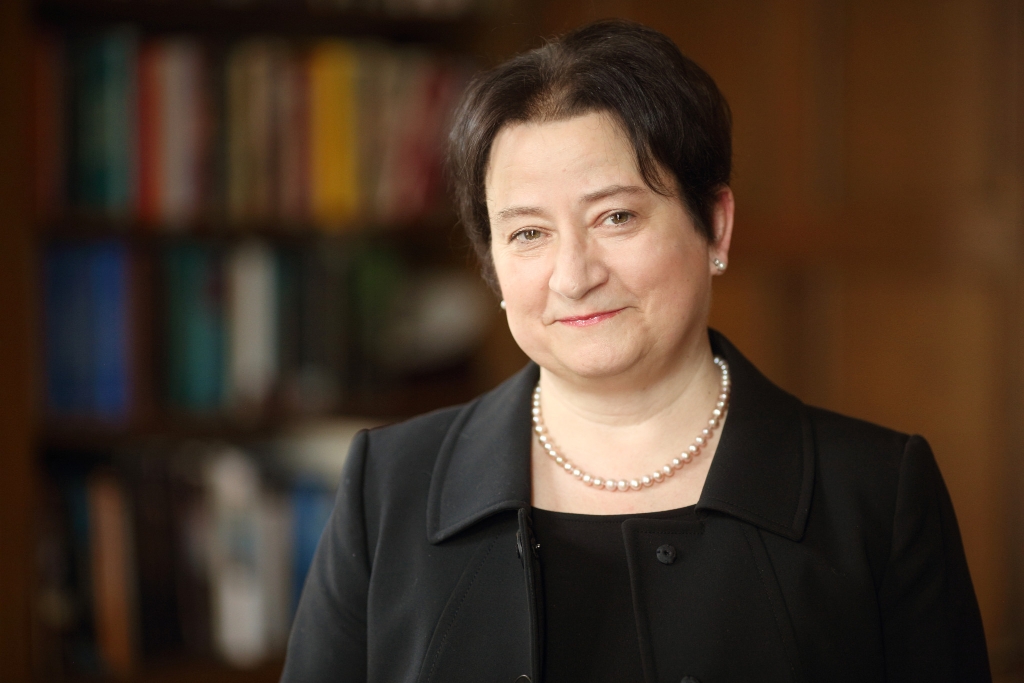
(647, 480)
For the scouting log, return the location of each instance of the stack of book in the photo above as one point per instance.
(192, 550)
(171, 133)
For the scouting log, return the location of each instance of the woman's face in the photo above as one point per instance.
(600, 274)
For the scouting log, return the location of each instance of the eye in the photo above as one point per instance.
(527, 235)
(620, 217)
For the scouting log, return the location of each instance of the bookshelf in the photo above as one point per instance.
(53, 227)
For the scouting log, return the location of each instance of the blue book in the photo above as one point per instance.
(109, 281)
(194, 328)
(311, 508)
(104, 68)
(67, 316)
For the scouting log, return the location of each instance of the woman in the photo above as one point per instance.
(639, 503)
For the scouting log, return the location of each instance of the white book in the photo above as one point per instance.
(275, 564)
(237, 599)
(251, 279)
(183, 120)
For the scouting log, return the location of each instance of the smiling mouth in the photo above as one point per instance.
(591, 319)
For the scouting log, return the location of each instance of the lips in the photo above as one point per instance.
(589, 319)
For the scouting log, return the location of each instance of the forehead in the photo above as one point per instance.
(575, 155)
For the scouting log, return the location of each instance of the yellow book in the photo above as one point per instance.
(334, 143)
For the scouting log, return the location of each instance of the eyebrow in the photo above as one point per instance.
(589, 198)
(611, 191)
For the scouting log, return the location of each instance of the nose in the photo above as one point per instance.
(578, 267)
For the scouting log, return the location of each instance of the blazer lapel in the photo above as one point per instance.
(763, 469)
(484, 463)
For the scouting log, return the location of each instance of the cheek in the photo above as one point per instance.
(521, 281)
(664, 272)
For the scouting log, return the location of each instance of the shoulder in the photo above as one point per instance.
(842, 439)
(406, 447)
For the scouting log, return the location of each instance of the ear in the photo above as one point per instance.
(725, 208)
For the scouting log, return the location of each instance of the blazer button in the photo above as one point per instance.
(667, 555)
(523, 679)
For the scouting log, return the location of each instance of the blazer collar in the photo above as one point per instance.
(762, 473)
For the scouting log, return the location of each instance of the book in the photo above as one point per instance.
(238, 602)
(67, 312)
(333, 137)
(194, 327)
(275, 565)
(251, 316)
(88, 330)
(172, 127)
(149, 479)
(112, 570)
(104, 75)
(151, 127)
(291, 99)
(252, 71)
(110, 276)
(190, 511)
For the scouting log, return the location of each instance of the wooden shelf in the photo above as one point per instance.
(256, 18)
(398, 402)
(91, 227)
(197, 671)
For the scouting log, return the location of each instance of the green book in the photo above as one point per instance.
(194, 328)
(104, 68)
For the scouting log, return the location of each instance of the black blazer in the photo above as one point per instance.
(826, 549)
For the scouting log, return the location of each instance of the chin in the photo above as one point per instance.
(595, 363)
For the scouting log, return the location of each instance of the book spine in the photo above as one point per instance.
(334, 144)
(293, 140)
(112, 569)
(149, 485)
(251, 75)
(110, 330)
(194, 328)
(106, 116)
(182, 132)
(238, 606)
(150, 132)
(68, 326)
(250, 274)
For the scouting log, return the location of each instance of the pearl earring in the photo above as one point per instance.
(502, 304)
(719, 265)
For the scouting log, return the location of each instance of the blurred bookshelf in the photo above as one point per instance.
(244, 256)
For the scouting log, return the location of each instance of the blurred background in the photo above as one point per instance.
(225, 248)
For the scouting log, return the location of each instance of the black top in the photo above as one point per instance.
(590, 631)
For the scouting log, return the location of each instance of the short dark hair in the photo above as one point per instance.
(669, 108)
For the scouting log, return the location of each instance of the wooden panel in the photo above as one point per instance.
(16, 357)
(754, 307)
(923, 353)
